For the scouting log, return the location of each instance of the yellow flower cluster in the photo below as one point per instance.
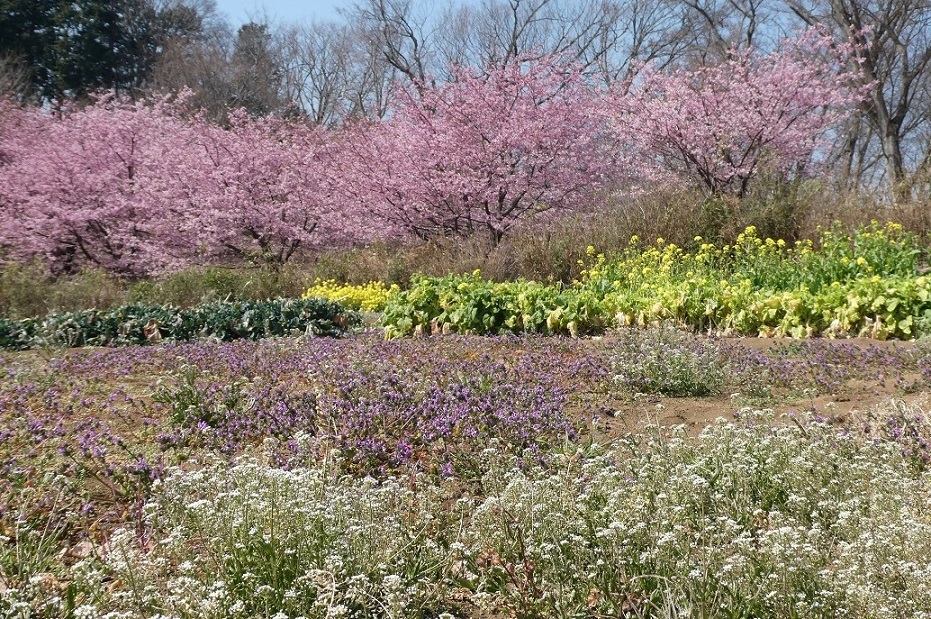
(861, 282)
(370, 297)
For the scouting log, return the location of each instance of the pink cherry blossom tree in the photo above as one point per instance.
(14, 121)
(12, 116)
(261, 191)
(80, 187)
(482, 152)
(720, 126)
(141, 188)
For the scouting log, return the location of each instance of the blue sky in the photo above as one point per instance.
(241, 11)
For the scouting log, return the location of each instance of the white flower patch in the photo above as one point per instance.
(749, 518)
(252, 540)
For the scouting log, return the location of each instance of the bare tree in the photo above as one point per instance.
(335, 71)
(607, 37)
(644, 31)
(316, 69)
(723, 25)
(401, 34)
(373, 76)
(495, 32)
(895, 57)
(613, 36)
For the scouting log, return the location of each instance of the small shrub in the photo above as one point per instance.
(198, 285)
(191, 404)
(28, 290)
(667, 362)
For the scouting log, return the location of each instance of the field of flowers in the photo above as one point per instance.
(467, 476)
(177, 444)
(866, 282)
(279, 459)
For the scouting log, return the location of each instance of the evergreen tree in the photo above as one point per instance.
(72, 49)
(27, 34)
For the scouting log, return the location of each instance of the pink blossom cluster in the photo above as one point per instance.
(145, 187)
(485, 150)
(142, 187)
(720, 126)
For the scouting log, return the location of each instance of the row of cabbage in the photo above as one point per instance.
(141, 324)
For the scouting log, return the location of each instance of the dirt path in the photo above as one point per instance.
(851, 397)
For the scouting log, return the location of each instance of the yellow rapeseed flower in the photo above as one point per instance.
(370, 297)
